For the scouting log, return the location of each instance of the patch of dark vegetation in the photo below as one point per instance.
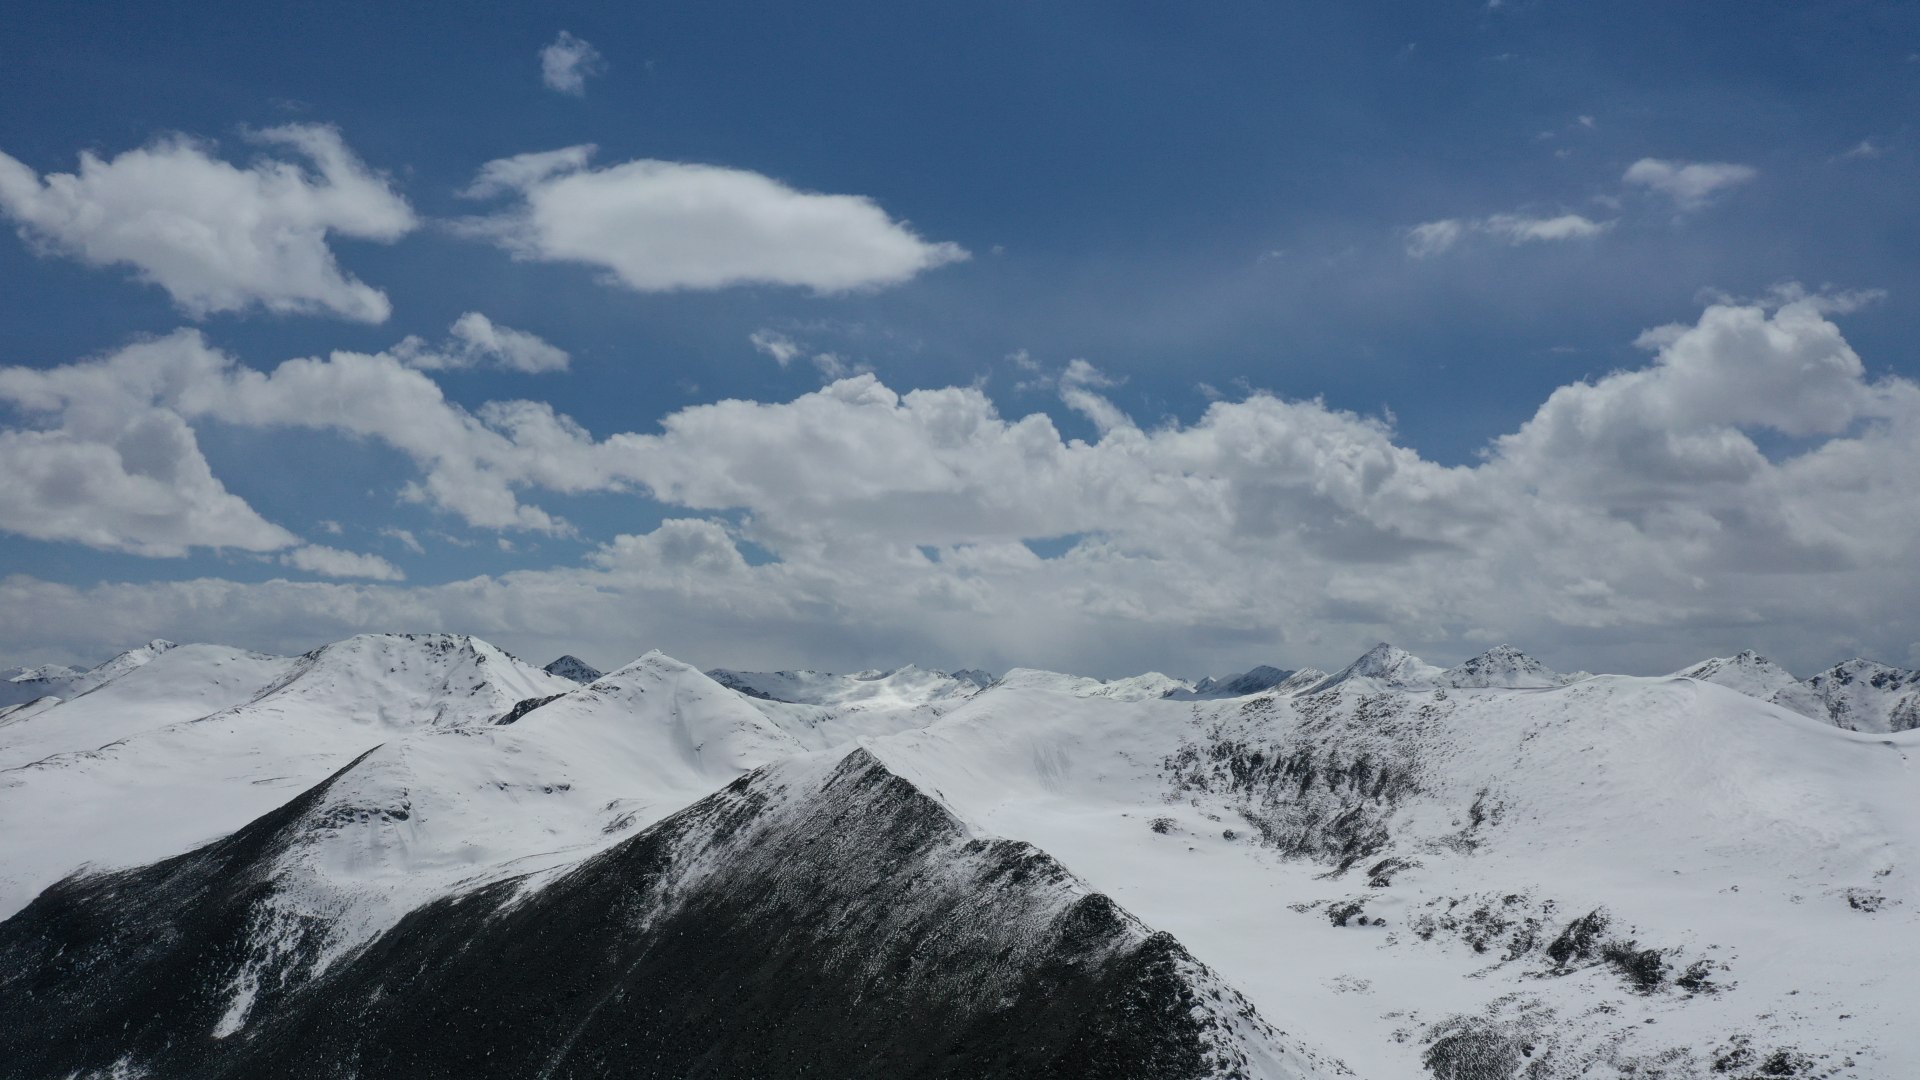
(1324, 789)
(1579, 941)
(1697, 978)
(1342, 913)
(1474, 1050)
(1644, 969)
(1161, 825)
(1508, 921)
(1865, 900)
(1739, 1060)
(1380, 874)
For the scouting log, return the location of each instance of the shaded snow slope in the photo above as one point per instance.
(1251, 681)
(906, 687)
(1862, 695)
(824, 710)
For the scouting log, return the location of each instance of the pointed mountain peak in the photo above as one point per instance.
(574, 669)
(1386, 665)
(1758, 677)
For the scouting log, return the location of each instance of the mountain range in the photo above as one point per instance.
(417, 855)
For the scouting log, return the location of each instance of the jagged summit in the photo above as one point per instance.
(1866, 695)
(1758, 677)
(1386, 666)
(1252, 681)
(1503, 666)
(573, 668)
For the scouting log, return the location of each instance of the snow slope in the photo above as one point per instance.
(1756, 871)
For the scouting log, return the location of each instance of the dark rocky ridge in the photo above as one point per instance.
(572, 667)
(805, 920)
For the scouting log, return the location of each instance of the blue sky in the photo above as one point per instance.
(1426, 217)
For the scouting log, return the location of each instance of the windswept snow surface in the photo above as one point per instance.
(1416, 872)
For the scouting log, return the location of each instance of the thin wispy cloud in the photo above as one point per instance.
(1691, 185)
(1437, 237)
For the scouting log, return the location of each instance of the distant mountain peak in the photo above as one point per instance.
(1502, 666)
(1758, 677)
(1866, 695)
(573, 668)
(1388, 665)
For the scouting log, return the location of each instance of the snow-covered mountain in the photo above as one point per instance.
(1862, 695)
(417, 856)
(1504, 666)
(1758, 677)
(1384, 667)
(27, 684)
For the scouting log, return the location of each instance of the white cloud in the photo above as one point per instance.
(215, 236)
(332, 562)
(1690, 185)
(1750, 485)
(665, 225)
(567, 62)
(478, 341)
(782, 348)
(1436, 237)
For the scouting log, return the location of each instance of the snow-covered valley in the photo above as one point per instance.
(422, 856)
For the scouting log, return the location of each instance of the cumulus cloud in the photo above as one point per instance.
(1750, 485)
(1435, 237)
(477, 341)
(1690, 184)
(219, 237)
(567, 62)
(664, 225)
(333, 562)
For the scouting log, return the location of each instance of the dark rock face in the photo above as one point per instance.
(572, 667)
(832, 923)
